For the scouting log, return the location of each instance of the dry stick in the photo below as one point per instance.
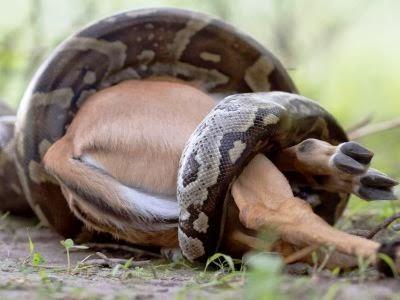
(251, 241)
(258, 244)
(103, 256)
(360, 129)
(114, 261)
(296, 256)
(359, 232)
(373, 128)
(123, 248)
(383, 225)
(361, 123)
(50, 267)
(261, 245)
(309, 249)
(105, 260)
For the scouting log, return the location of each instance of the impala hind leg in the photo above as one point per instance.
(105, 204)
(342, 168)
(265, 200)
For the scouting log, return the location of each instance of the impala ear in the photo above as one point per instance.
(389, 250)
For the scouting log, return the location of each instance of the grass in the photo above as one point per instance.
(389, 261)
(35, 257)
(265, 277)
(69, 245)
(258, 276)
(339, 74)
(3, 217)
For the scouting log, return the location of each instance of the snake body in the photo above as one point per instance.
(238, 128)
(202, 51)
(12, 198)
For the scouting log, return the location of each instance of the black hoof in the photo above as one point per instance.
(348, 165)
(375, 185)
(357, 152)
(390, 250)
(370, 193)
(374, 178)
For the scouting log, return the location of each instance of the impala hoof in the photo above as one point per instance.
(348, 164)
(352, 158)
(357, 152)
(376, 185)
(374, 178)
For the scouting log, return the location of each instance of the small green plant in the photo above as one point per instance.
(219, 271)
(129, 270)
(137, 272)
(333, 291)
(36, 258)
(363, 264)
(3, 216)
(80, 266)
(389, 261)
(68, 245)
(318, 264)
(336, 271)
(49, 285)
(222, 261)
(265, 277)
(222, 276)
(125, 267)
(127, 264)
(115, 270)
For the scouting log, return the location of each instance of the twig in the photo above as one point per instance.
(374, 128)
(361, 123)
(383, 225)
(114, 261)
(123, 248)
(251, 241)
(105, 260)
(50, 267)
(104, 257)
(300, 254)
(82, 262)
(359, 232)
(258, 244)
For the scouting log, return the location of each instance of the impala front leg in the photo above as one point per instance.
(342, 168)
(265, 200)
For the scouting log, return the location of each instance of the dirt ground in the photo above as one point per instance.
(22, 278)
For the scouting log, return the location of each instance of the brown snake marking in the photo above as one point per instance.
(200, 50)
(12, 198)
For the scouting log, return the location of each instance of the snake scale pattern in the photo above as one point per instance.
(238, 128)
(202, 51)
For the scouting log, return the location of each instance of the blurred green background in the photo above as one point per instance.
(344, 54)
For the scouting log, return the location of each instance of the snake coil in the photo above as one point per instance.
(199, 50)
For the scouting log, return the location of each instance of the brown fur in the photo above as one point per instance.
(114, 128)
(136, 131)
(265, 200)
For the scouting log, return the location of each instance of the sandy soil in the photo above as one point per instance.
(19, 279)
